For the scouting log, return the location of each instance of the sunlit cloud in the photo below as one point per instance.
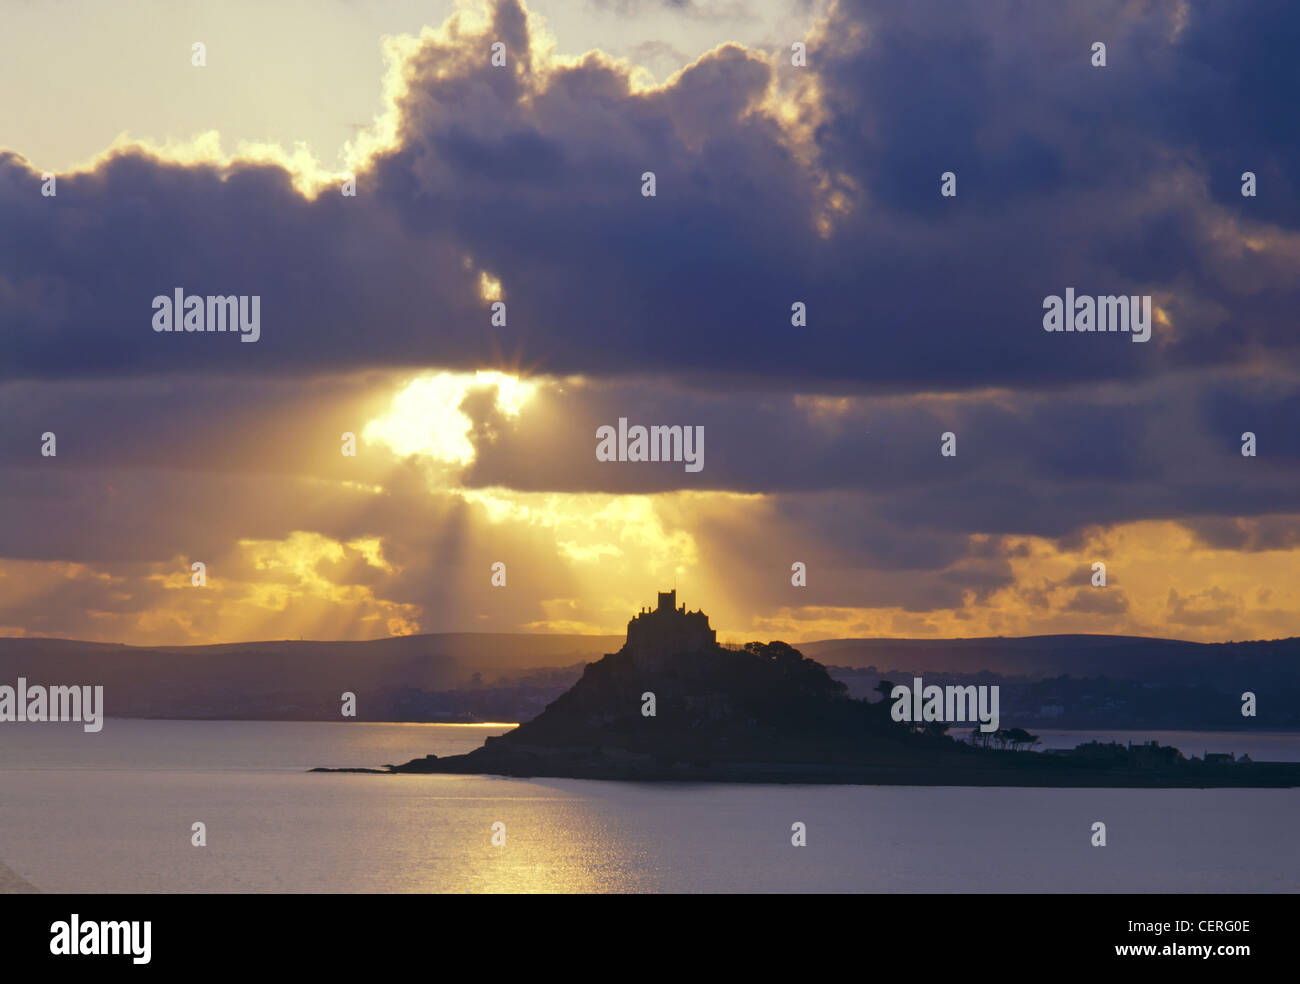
(426, 416)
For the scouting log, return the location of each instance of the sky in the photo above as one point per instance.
(775, 184)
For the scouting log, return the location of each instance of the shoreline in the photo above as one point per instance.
(1029, 774)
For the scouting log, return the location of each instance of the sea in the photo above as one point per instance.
(116, 812)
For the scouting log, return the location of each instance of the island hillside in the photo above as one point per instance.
(766, 713)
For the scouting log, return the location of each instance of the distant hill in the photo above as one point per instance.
(512, 676)
(291, 680)
(1041, 657)
(1091, 681)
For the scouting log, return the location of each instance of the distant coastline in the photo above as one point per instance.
(1079, 682)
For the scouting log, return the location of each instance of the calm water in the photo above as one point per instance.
(112, 813)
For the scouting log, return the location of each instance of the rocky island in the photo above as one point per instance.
(674, 705)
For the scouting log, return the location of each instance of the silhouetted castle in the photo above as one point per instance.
(669, 630)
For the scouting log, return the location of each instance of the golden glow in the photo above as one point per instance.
(1161, 582)
(305, 172)
(489, 287)
(591, 528)
(603, 556)
(371, 549)
(465, 724)
(300, 582)
(425, 417)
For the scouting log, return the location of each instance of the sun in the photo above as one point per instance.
(425, 417)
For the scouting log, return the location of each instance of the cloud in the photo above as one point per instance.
(1068, 175)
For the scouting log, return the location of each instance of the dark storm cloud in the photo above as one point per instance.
(1235, 85)
(1049, 464)
(1109, 180)
(1236, 533)
(1270, 412)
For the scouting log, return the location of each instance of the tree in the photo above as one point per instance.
(936, 729)
(1014, 736)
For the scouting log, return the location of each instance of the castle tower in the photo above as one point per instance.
(668, 631)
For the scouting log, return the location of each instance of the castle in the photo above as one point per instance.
(669, 630)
